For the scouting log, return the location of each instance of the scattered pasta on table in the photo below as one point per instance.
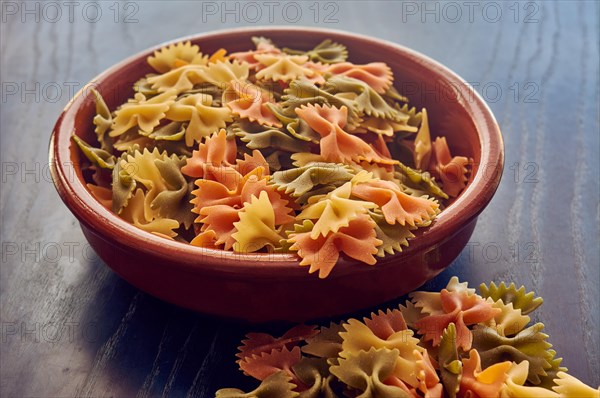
(452, 343)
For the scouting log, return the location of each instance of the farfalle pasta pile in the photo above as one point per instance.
(272, 150)
(452, 343)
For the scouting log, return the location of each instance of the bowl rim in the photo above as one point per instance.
(119, 232)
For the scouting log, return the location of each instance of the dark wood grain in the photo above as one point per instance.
(70, 327)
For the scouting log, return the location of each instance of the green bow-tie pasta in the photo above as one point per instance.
(366, 100)
(103, 122)
(519, 298)
(173, 131)
(278, 385)
(298, 181)
(257, 137)
(302, 92)
(369, 372)
(123, 185)
(392, 236)
(530, 345)
(97, 156)
(327, 52)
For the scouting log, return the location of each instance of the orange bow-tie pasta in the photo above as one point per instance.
(272, 150)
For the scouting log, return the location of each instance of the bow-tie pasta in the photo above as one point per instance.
(279, 150)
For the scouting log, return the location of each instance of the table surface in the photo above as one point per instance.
(71, 327)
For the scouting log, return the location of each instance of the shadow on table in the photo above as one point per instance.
(141, 346)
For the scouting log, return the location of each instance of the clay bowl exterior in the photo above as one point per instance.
(263, 287)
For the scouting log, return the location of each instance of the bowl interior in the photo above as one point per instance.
(455, 111)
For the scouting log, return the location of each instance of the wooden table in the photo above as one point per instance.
(70, 327)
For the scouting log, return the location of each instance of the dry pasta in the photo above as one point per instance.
(273, 150)
(478, 346)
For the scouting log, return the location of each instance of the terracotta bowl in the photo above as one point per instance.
(263, 287)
